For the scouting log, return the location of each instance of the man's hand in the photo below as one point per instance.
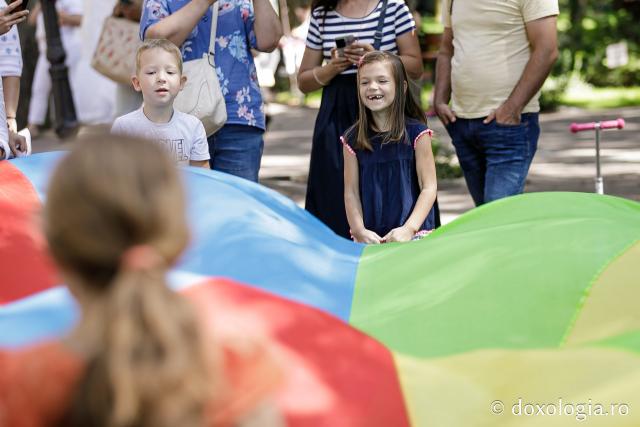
(366, 236)
(8, 18)
(17, 143)
(442, 89)
(542, 35)
(504, 115)
(399, 234)
(445, 114)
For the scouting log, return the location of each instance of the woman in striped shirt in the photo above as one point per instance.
(352, 23)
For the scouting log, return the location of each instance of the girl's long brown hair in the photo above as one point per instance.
(403, 107)
(146, 367)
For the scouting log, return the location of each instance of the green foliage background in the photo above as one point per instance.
(585, 30)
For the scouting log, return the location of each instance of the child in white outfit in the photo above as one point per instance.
(159, 78)
(70, 17)
(12, 144)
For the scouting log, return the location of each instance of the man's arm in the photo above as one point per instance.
(442, 91)
(543, 39)
(266, 26)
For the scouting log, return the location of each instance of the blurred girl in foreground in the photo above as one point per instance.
(140, 355)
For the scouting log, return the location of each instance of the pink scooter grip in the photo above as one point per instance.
(609, 124)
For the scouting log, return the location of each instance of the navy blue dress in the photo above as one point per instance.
(388, 178)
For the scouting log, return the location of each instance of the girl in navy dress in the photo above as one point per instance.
(389, 172)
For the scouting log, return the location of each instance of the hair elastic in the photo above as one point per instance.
(140, 258)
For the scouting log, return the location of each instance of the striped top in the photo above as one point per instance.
(324, 30)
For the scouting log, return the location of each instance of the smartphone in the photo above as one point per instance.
(342, 42)
(21, 7)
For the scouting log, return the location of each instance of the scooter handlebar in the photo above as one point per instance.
(608, 124)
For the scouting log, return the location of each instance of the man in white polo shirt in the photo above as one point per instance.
(494, 57)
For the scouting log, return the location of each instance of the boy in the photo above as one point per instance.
(159, 78)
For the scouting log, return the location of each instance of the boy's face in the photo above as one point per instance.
(159, 78)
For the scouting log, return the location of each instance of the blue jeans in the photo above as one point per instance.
(495, 158)
(237, 150)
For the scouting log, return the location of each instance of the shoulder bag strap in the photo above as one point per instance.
(212, 37)
(377, 36)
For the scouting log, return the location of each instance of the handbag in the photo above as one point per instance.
(115, 53)
(201, 95)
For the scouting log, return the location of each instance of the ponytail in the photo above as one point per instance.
(115, 218)
(149, 368)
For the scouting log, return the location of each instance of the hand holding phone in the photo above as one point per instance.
(10, 16)
(356, 50)
(19, 7)
(342, 42)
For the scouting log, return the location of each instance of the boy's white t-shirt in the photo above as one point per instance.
(183, 137)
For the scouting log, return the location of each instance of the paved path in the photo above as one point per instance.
(564, 162)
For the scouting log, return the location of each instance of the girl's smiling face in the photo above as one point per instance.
(376, 86)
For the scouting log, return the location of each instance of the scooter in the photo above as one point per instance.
(598, 126)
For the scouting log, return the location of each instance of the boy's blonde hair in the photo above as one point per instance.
(158, 44)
